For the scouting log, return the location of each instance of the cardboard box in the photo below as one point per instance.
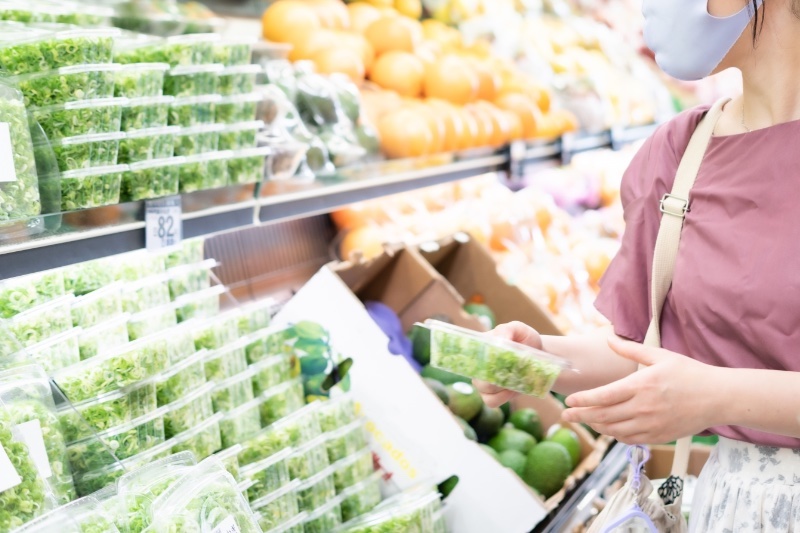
(660, 463)
(471, 270)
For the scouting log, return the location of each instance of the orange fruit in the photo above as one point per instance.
(332, 14)
(377, 103)
(362, 15)
(393, 33)
(309, 44)
(515, 131)
(402, 72)
(501, 126)
(405, 133)
(366, 240)
(453, 79)
(469, 138)
(429, 52)
(285, 20)
(485, 125)
(522, 106)
(453, 123)
(567, 120)
(488, 81)
(342, 60)
(360, 44)
(409, 8)
(543, 98)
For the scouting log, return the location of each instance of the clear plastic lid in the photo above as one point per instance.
(172, 371)
(233, 380)
(152, 472)
(88, 104)
(129, 40)
(216, 290)
(197, 100)
(252, 469)
(295, 522)
(99, 359)
(85, 514)
(45, 31)
(134, 67)
(90, 138)
(47, 307)
(199, 129)
(186, 70)
(240, 69)
(261, 151)
(331, 504)
(112, 432)
(228, 453)
(197, 430)
(344, 430)
(376, 477)
(117, 321)
(241, 98)
(245, 407)
(280, 493)
(204, 390)
(157, 163)
(194, 38)
(386, 514)
(243, 126)
(66, 71)
(105, 398)
(149, 100)
(153, 132)
(54, 340)
(92, 172)
(209, 156)
(316, 478)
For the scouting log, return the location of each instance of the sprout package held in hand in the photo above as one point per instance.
(503, 363)
(145, 113)
(91, 187)
(19, 196)
(26, 292)
(68, 84)
(144, 145)
(277, 507)
(139, 80)
(85, 117)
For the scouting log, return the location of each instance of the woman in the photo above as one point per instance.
(730, 362)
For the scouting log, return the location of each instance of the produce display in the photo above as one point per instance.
(352, 470)
(271, 372)
(202, 441)
(315, 491)
(189, 411)
(194, 110)
(84, 117)
(240, 79)
(91, 187)
(103, 337)
(19, 197)
(309, 459)
(67, 84)
(239, 136)
(281, 401)
(140, 80)
(324, 518)
(187, 279)
(361, 498)
(58, 351)
(269, 476)
(291, 432)
(147, 144)
(197, 139)
(146, 113)
(39, 323)
(81, 516)
(192, 80)
(345, 441)
(151, 179)
(276, 508)
(181, 379)
(247, 165)
(86, 151)
(414, 515)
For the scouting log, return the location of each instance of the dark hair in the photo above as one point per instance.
(756, 28)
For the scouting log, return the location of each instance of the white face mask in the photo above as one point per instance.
(688, 42)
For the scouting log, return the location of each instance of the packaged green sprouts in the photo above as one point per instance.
(190, 251)
(86, 151)
(195, 49)
(18, 11)
(362, 497)
(146, 293)
(247, 165)
(79, 14)
(282, 400)
(271, 372)
(151, 321)
(81, 516)
(194, 110)
(192, 80)
(97, 307)
(25, 292)
(295, 525)
(42, 322)
(277, 507)
(237, 108)
(139, 80)
(151, 179)
(214, 334)
(19, 196)
(91, 187)
(346, 441)
(309, 460)
(230, 458)
(84, 278)
(202, 440)
(233, 392)
(181, 379)
(241, 423)
(337, 412)
(67, 84)
(240, 79)
(268, 475)
(226, 362)
(145, 113)
(268, 342)
(25, 495)
(325, 518)
(140, 264)
(230, 52)
(293, 431)
(103, 337)
(187, 279)
(49, 47)
(504, 363)
(199, 139)
(415, 515)
(147, 144)
(84, 117)
(316, 491)
(353, 469)
(57, 352)
(204, 171)
(189, 411)
(240, 135)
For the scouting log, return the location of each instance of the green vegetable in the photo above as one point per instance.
(238, 139)
(353, 470)
(151, 321)
(336, 413)
(18, 198)
(268, 476)
(190, 279)
(256, 316)
(215, 334)
(85, 151)
(276, 508)
(361, 498)
(281, 401)
(291, 432)
(346, 441)
(144, 145)
(246, 169)
(148, 293)
(81, 516)
(309, 460)
(188, 412)
(326, 519)
(197, 140)
(57, 352)
(238, 80)
(202, 441)
(74, 119)
(150, 179)
(137, 265)
(22, 13)
(199, 305)
(84, 278)
(217, 168)
(271, 373)
(20, 294)
(139, 81)
(230, 54)
(233, 392)
(241, 423)
(269, 342)
(225, 363)
(42, 322)
(145, 113)
(83, 18)
(107, 411)
(191, 251)
(231, 111)
(92, 309)
(183, 50)
(181, 379)
(180, 344)
(93, 187)
(27, 500)
(103, 337)
(193, 176)
(193, 111)
(68, 84)
(53, 50)
(192, 81)
(316, 492)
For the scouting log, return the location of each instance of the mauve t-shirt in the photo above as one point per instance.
(735, 296)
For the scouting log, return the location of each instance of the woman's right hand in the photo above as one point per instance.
(494, 396)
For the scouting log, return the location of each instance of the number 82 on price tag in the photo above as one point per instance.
(163, 223)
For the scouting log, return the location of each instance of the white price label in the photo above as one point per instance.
(9, 477)
(163, 223)
(30, 434)
(8, 172)
(228, 525)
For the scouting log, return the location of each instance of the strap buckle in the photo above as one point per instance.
(677, 208)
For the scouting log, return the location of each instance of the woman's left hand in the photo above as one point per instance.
(673, 397)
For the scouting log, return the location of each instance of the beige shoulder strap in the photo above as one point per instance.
(674, 207)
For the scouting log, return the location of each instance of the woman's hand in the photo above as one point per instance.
(673, 397)
(494, 396)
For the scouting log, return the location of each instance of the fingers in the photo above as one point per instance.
(493, 396)
(607, 395)
(600, 415)
(638, 353)
(518, 332)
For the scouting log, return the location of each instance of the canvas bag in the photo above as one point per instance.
(665, 511)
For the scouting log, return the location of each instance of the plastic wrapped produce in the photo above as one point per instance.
(247, 165)
(271, 372)
(199, 305)
(192, 80)
(181, 379)
(139, 489)
(91, 187)
(187, 279)
(59, 46)
(85, 151)
(180, 342)
(240, 135)
(190, 251)
(25, 12)
(27, 497)
(97, 307)
(84, 117)
(144, 145)
(57, 352)
(27, 409)
(194, 110)
(351, 470)
(504, 363)
(277, 507)
(233, 392)
(195, 49)
(107, 372)
(362, 497)
(204, 499)
(268, 475)
(25, 292)
(337, 412)
(146, 113)
(147, 293)
(189, 411)
(103, 337)
(202, 440)
(295, 525)
(241, 423)
(84, 278)
(68, 84)
(109, 501)
(408, 516)
(107, 411)
(231, 52)
(214, 334)
(346, 441)
(151, 321)
(285, 158)
(309, 459)
(291, 432)
(240, 79)
(81, 516)
(256, 315)
(204, 171)
(80, 14)
(268, 342)
(19, 197)
(139, 80)
(42, 322)
(316, 491)
(281, 400)
(197, 139)
(151, 179)
(225, 362)
(237, 108)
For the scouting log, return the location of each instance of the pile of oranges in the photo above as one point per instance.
(425, 90)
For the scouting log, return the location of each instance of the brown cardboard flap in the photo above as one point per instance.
(660, 464)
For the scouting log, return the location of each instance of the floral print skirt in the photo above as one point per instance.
(748, 488)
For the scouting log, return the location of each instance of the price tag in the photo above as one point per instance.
(228, 525)
(30, 434)
(9, 477)
(163, 223)
(8, 172)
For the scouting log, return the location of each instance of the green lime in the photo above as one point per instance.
(421, 342)
(514, 460)
(488, 422)
(547, 467)
(510, 438)
(465, 401)
(528, 421)
(483, 313)
(569, 440)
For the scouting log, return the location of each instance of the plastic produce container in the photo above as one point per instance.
(190, 251)
(114, 409)
(197, 49)
(256, 315)
(284, 160)
(79, 14)
(241, 423)
(240, 79)
(230, 52)
(18, 198)
(237, 108)
(233, 392)
(188, 279)
(271, 372)
(103, 373)
(20, 511)
(151, 179)
(64, 46)
(268, 475)
(240, 135)
(123, 441)
(19, 11)
(84, 117)
(352, 470)
(267, 343)
(42, 322)
(189, 411)
(214, 334)
(504, 363)
(146, 113)
(25, 292)
(337, 412)
(199, 305)
(247, 165)
(181, 379)
(192, 80)
(139, 80)
(151, 321)
(139, 264)
(83, 515)
(194, 110)
(204, 171)
(57, 352)
(293, 431)
(103, 337)
(309, 460)
(362, 497)
(89, 276)
(85, 151)
(91, 187)
(180, 342)
(282, 400)
(147, 144)
(230, 458)
(68, 84)
(295, 525)
(346, 441)
(197, 139)
(98, 306)
(202, 440)
(277, 507)
(411, 516)
(147, 293)
(316, 491)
